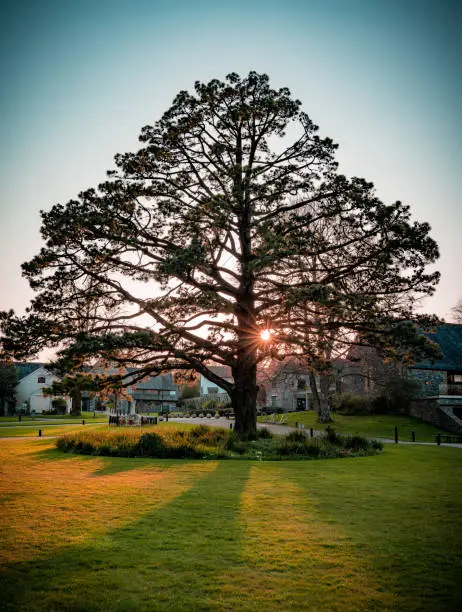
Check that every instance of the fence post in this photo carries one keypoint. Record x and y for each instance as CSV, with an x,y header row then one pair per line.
x,y
311,432
396,434
413,436
438,439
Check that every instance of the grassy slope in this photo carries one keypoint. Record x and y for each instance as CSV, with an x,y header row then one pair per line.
x,y
92,533
377,425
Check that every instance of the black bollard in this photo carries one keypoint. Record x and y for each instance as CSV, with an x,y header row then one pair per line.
x,y
311,432
40,433
413,436
230,425
83,421
20,418
438,438
296,424
396,434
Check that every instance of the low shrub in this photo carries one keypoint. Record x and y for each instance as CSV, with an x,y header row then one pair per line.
x,y
376,445
235,444
357,443
264,433
150,445
296,436
333,437
294,447
350,404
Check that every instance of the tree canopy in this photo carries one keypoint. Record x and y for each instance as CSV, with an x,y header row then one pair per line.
x,y
232,219
457,312
8,381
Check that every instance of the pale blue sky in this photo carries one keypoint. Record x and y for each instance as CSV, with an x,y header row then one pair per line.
x,y
79,80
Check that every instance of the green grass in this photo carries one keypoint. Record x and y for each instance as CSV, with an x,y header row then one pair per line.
x,y
8,421
47,429
376,425
50,429
97,533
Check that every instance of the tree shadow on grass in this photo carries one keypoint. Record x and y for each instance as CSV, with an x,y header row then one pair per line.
x,y
399,520
168,560
109,465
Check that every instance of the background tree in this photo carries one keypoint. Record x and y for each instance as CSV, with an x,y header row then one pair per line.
x,y
8,382
457,312
73,385
200,241
189,391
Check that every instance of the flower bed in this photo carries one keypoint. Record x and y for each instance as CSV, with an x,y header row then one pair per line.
x,y
204,442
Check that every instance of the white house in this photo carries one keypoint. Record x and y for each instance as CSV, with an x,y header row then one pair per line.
x,y
29,391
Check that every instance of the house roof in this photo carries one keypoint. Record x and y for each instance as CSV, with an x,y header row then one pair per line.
x,y
222,371
449,339
164,381
24,369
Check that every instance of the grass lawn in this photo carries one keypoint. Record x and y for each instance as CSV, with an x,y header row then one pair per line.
x,y
375,425
50,429
8,421
97,533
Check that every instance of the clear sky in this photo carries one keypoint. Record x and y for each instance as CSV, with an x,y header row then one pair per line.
x,y
383,78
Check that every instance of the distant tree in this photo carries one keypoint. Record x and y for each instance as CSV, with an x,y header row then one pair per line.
x,y
457,312
8,382
59,404
188,391
73,385
200,242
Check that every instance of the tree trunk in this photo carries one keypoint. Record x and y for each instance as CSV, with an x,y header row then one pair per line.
x,y
76,401
324,415
314,391
244,402
320,400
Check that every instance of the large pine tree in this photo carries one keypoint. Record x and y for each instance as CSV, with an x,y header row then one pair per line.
x,y
217,229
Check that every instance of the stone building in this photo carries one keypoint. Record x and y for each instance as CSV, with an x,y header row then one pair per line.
x,y
439,399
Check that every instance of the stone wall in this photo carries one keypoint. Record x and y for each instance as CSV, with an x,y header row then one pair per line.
x,y
438,411
433,382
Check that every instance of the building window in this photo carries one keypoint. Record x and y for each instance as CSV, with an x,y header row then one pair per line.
x,y
41,379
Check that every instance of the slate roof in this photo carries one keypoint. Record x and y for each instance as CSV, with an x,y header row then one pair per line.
x,y
222,371
164,381
449,339
24,369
